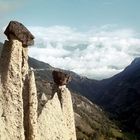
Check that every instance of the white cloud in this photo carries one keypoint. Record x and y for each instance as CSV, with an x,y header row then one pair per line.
x,y
98,53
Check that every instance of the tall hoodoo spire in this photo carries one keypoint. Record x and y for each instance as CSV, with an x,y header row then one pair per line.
x,y
14,76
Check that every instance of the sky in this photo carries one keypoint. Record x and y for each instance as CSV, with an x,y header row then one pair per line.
x,y
94,38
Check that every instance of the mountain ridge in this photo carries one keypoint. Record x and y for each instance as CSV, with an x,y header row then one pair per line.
x,y
99,92
121,95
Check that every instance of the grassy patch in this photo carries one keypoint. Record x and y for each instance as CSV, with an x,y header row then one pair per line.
x,y
116,133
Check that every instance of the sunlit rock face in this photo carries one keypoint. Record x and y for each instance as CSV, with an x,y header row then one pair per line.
x,y
58,113
14,74
19,107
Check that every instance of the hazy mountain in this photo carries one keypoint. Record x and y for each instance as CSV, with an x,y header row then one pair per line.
x,y
120,95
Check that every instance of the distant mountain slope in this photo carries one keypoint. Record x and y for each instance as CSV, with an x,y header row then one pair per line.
x,y
120,95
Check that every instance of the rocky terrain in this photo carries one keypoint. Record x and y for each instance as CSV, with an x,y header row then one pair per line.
x,y
23,115
118,95
44,117
77,84
91,121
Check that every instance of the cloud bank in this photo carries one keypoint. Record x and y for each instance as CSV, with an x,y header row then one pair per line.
x,y
99,53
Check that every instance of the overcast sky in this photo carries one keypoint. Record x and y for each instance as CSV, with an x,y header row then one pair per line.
x,y
95,38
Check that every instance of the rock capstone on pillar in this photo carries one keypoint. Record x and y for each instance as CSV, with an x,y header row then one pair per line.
x,y
14,70
19,31
56,120
61,80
